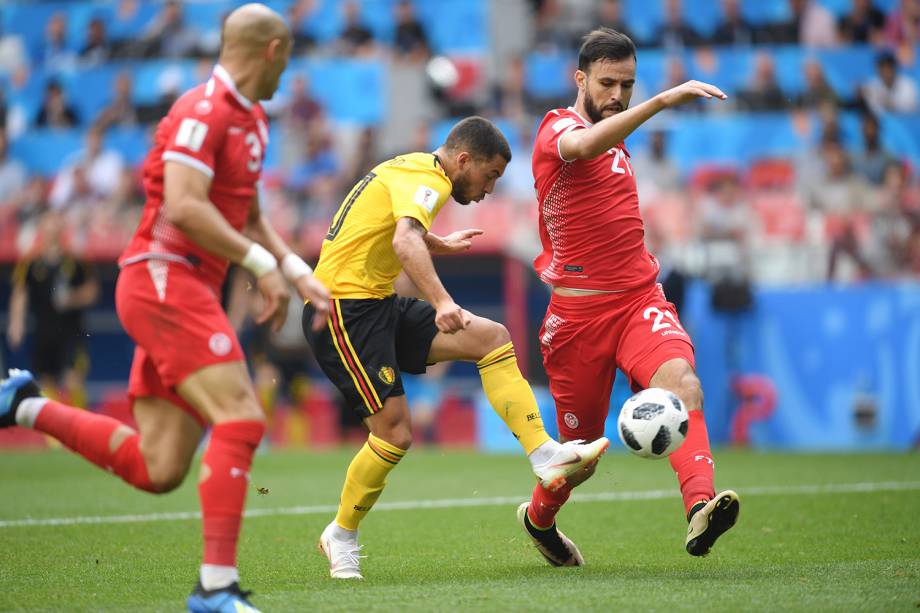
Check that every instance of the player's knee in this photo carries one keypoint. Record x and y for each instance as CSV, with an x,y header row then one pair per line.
x,y
166,476
238,406
494,335
400,436
691,392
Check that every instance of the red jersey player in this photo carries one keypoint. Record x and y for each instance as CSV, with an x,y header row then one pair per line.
x,y
188,372
606,310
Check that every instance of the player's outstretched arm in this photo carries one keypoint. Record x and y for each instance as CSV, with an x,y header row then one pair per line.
x,y
455,242
608,133
295,270
412,251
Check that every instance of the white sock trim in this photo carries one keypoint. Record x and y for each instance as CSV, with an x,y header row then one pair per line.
x,y
28,410
214,577
344,535
544,453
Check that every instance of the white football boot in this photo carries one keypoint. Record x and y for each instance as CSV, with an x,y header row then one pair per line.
x,y
570,458
344,556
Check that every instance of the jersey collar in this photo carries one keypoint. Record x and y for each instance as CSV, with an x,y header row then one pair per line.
x,y
221,73
572,108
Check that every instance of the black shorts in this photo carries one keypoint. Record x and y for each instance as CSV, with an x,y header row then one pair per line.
x,y
367,342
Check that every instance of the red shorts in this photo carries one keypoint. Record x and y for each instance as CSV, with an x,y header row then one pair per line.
x,y
178,324
585,339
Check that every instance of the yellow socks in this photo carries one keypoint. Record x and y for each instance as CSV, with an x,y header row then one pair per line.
x,y
511,397
365,480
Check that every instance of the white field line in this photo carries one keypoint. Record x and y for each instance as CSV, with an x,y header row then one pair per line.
x,y
494,501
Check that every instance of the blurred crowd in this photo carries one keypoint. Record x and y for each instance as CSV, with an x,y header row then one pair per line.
x,y
838,210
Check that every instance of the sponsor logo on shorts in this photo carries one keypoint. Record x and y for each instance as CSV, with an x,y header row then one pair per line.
x,y
570,420
220,344
387,375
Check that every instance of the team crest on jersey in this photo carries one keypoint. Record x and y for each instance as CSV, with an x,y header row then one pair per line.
x,y
387,375
203,107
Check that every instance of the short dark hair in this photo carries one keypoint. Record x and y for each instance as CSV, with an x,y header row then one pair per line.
x,y
479,137
604,44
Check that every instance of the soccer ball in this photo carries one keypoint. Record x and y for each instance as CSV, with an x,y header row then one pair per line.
x,y
653,423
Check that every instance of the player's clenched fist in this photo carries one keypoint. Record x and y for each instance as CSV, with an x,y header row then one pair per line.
x,y
685,92
275,294
450,318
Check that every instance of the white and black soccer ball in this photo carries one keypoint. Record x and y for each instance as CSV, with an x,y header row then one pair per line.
x,y
653,423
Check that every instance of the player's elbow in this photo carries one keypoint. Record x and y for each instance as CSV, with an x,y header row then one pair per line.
x,y
403,244
179,211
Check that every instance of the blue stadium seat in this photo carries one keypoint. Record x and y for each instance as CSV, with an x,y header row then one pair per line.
x,y
455,26
901,135
549,75
44,151
848,67
132,26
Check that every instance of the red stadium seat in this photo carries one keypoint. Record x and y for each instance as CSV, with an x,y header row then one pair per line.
x,y
771,174
781,215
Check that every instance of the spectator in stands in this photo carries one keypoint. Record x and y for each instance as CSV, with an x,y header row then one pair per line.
x,y
863,24
510,97
809,24
12,52
726,227
91,177
97,49
675,33
54,52
675,73
655,172
55,112
890,91
817,90
873,161
168,36
299,111
610,15
55,287
764,92
902,28
549,32
410,40
356,38
12,175
297,15
121,111
887,246
734,28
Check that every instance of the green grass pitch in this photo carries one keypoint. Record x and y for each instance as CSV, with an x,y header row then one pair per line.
x,y
816,533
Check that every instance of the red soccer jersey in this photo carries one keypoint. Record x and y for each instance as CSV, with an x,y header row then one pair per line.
x,y
217,131
590,227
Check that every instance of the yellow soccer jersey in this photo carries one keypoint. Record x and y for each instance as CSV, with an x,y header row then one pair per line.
x,y
357,259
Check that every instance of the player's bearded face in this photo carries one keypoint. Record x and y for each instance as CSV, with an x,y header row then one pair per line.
x,y
608,87
477,178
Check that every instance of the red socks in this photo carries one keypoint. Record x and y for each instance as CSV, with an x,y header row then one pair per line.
x,y
693,463
89,435
544,505
223,484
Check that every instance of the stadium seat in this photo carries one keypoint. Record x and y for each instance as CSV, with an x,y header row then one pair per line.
x,y
771,174
781,215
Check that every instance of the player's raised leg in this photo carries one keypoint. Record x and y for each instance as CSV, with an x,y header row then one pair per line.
x,y
709,514
155,459
223,393
488,343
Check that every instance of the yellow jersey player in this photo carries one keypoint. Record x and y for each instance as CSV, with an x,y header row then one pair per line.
x,y
373,335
